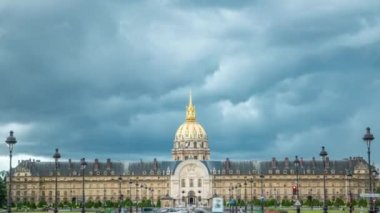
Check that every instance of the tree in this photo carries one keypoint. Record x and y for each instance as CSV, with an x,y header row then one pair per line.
x,y
42,203
339,202
362,202
3,193
286,202
158,203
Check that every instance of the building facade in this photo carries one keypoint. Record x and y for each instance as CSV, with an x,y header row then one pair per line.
x,y
191,178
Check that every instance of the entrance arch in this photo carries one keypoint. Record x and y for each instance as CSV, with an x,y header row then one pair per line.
x,y
191,198
190,184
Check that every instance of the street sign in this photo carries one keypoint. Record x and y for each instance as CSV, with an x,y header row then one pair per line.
x,y
217,205
297,203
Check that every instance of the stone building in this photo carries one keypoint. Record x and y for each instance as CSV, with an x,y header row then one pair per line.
x,y
191,178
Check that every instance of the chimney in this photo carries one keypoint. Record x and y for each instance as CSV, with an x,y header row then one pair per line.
x,y
327,163
286,163
96,165
274,163
108,165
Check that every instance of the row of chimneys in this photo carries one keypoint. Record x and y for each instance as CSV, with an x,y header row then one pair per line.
x,y
96,164
302,163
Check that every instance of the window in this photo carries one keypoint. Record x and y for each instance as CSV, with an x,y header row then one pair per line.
x,y
183,183
199,182
195,144
191,183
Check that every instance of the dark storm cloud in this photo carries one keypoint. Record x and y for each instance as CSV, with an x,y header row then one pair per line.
x,y
111,79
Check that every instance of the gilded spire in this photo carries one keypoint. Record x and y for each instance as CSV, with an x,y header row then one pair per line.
x,y
190,110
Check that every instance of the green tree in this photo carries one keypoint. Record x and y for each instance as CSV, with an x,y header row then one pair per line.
x,y
286,202
33,205
3,193
128,202
97,204
339,202
362,203
271,202
89,204
41,204
158,205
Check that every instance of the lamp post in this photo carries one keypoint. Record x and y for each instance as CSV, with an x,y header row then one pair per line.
x,y
349,175
130,196
375,174
56,156
323,154
11,141
83,165
231,198
238,196
245,196
262,193
137,201
151,196
297,165
120,195
367,138
251,181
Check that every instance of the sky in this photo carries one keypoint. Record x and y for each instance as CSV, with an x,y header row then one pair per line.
x,y
111,79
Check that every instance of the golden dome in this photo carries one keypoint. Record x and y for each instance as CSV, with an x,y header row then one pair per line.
x,y
191,129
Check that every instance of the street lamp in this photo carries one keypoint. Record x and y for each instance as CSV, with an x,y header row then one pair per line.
x,y
262,193
367,138
297,165
375,175
120,195
137,201
323,154
56,156
130,196
11,141
349,175
245,195
251,181
83,165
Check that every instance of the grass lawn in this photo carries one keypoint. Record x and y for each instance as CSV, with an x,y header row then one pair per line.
x,y
346,210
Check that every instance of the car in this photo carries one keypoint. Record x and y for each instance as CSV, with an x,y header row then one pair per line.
x,y
148,210
182,210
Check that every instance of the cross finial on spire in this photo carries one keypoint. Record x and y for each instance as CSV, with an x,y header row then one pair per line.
x,y
190,99
190,110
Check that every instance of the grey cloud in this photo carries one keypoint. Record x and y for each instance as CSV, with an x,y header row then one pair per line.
x,y
112,78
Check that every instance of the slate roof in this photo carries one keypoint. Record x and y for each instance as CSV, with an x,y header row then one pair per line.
x,y
226,167
313,166
38,168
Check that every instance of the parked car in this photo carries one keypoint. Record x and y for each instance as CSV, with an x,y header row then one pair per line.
x,y
148,210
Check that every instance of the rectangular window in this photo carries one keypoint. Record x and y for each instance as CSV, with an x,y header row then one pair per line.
x,y
183,183
199,182
191,183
